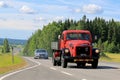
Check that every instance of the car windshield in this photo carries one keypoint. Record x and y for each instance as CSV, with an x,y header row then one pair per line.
x,y
40,51
78,36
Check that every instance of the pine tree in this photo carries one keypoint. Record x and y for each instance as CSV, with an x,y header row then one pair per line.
x,y
6,47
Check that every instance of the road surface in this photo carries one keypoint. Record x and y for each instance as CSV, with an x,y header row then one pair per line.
x,y
40,69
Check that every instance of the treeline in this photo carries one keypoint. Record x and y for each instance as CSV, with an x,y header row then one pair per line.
x,y
108,34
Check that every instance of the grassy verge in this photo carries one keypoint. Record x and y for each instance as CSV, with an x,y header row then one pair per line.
x,y
110,57
6,64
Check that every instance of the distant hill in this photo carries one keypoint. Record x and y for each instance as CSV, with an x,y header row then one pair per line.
x,y
14,41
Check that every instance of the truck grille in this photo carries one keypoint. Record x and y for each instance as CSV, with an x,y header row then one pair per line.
x,y
83,51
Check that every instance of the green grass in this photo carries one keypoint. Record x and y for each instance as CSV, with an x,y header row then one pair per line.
x,y
7,65
110,57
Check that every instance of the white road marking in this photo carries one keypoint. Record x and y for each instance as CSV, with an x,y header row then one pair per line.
x,y
33,61
53,68
66,73
7,75
84,79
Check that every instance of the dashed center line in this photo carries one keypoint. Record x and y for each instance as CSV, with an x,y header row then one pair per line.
x,y
61,71
66,73
84,79
53,68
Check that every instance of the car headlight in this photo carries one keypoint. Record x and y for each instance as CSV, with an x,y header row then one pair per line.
x,y
66,50
97,51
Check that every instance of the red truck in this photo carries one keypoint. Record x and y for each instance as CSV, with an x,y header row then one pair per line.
x,y
74,46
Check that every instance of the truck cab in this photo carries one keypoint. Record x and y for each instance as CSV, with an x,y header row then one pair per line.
x,y
75,46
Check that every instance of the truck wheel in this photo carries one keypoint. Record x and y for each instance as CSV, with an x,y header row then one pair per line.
x,y
59,63
64,62
54,62
95,63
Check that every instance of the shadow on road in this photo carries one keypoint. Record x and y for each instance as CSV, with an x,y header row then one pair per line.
x,y
107,67
89,67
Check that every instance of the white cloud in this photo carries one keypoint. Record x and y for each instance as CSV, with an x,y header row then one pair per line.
x,y
92,9
3,4
27,10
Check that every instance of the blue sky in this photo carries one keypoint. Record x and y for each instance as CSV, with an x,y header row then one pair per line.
x,y
20,18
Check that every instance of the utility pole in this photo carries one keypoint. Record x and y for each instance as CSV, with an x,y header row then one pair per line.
x,y
12,55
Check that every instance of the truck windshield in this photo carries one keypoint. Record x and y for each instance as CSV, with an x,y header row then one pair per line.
x,y
78,36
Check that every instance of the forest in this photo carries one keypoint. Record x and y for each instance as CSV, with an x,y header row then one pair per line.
x,y
107,31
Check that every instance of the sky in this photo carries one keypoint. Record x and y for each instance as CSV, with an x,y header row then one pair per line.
x,y
19,19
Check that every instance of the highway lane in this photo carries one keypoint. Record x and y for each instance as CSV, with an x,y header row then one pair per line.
x,y
40,69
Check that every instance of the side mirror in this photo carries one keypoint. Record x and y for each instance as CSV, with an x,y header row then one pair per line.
x,y
59,36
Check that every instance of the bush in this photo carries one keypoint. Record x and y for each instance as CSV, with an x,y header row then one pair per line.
x,y
112,48
105,46
102,54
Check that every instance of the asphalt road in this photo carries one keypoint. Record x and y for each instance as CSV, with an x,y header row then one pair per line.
x,y
40,69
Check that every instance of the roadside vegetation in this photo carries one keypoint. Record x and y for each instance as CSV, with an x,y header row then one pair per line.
x,y
110,57
6,64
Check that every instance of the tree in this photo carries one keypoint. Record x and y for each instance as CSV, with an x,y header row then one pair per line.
x,y
6,47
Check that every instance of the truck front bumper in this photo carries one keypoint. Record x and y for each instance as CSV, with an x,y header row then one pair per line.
x,y
78,59
83,60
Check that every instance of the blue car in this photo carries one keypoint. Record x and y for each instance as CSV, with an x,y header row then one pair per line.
x,y
41,53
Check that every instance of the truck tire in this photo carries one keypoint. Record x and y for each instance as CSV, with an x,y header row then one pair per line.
x,y
59,63
95,63
54,61
63,62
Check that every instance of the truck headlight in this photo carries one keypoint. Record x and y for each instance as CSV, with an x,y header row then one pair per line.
x,y
66,50
97,51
